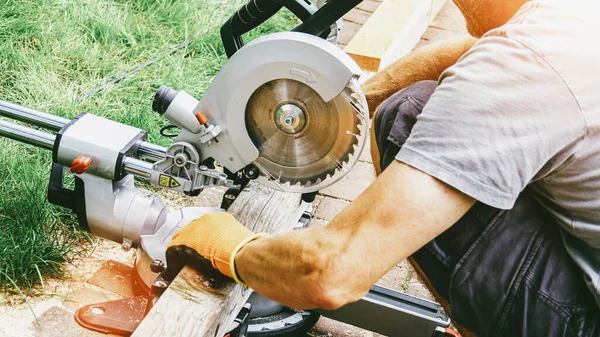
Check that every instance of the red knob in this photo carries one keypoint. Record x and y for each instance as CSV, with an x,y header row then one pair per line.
x,y
81,164
201,118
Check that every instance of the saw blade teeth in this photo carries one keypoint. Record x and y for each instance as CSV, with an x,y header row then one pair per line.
x,y
322,147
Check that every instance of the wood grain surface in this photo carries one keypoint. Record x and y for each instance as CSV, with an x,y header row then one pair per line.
x,y
196,306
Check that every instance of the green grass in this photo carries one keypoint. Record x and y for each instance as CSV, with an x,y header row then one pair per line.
x,y
54,51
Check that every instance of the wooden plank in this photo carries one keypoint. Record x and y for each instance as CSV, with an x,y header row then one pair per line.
x,y
391,32
192,305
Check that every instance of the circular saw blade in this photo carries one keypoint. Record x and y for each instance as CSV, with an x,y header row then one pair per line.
x,y
302,140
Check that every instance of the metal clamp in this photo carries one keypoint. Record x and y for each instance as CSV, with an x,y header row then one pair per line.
x,y
239,328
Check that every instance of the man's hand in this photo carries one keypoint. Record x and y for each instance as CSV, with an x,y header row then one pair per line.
x,y
207,244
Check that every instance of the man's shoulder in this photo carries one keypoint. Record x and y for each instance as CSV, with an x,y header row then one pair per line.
x,y
562,33
554,36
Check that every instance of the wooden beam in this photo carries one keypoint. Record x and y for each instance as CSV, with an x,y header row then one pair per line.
x,y
191,306
392,32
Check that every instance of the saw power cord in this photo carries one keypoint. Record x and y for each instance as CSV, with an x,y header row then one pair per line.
x,y
134,70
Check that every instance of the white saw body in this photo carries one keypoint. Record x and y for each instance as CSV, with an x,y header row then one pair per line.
x,y
297,60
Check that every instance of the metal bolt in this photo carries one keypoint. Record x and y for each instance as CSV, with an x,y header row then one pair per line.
x,y
203,168
289,120
230,196
126,245
160,284
157,266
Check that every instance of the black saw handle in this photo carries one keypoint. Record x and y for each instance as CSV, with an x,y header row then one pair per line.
x,y
253,14
314,21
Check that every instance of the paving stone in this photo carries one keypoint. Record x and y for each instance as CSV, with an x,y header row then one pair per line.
x,y
348,31
366,154
353,184
318,222
422,43
436,34
404,278
115,277
330,207
450,18
317,202
84,296
57,322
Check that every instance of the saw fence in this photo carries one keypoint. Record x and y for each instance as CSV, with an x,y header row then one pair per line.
x,y
188,307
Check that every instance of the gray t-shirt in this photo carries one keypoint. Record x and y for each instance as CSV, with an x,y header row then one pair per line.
x,y
522,109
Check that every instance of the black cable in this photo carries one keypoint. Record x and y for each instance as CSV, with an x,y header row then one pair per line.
x,y
167,128
134,71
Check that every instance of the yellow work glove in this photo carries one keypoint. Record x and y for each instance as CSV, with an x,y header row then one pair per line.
x,y
208,243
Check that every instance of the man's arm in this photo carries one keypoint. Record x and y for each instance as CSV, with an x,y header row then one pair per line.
x,y
426,63
330,266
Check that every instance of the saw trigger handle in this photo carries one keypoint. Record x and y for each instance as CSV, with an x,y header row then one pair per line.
x,y
253,14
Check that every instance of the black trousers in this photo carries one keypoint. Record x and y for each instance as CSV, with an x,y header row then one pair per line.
x,y
503,273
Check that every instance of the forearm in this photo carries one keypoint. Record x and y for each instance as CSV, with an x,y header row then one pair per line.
x,y
329,266
426,63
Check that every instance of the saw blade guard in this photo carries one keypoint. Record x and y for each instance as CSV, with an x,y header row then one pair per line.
x,y
306,144
321,90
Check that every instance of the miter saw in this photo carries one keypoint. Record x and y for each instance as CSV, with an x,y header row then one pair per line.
x,y
286,110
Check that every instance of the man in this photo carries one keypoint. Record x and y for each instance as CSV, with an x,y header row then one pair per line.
x,y
491,181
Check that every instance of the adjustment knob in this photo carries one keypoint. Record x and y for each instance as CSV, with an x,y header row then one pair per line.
x,y
80,164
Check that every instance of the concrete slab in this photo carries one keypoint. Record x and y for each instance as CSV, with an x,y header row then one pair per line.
x,y
329,207
351,186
